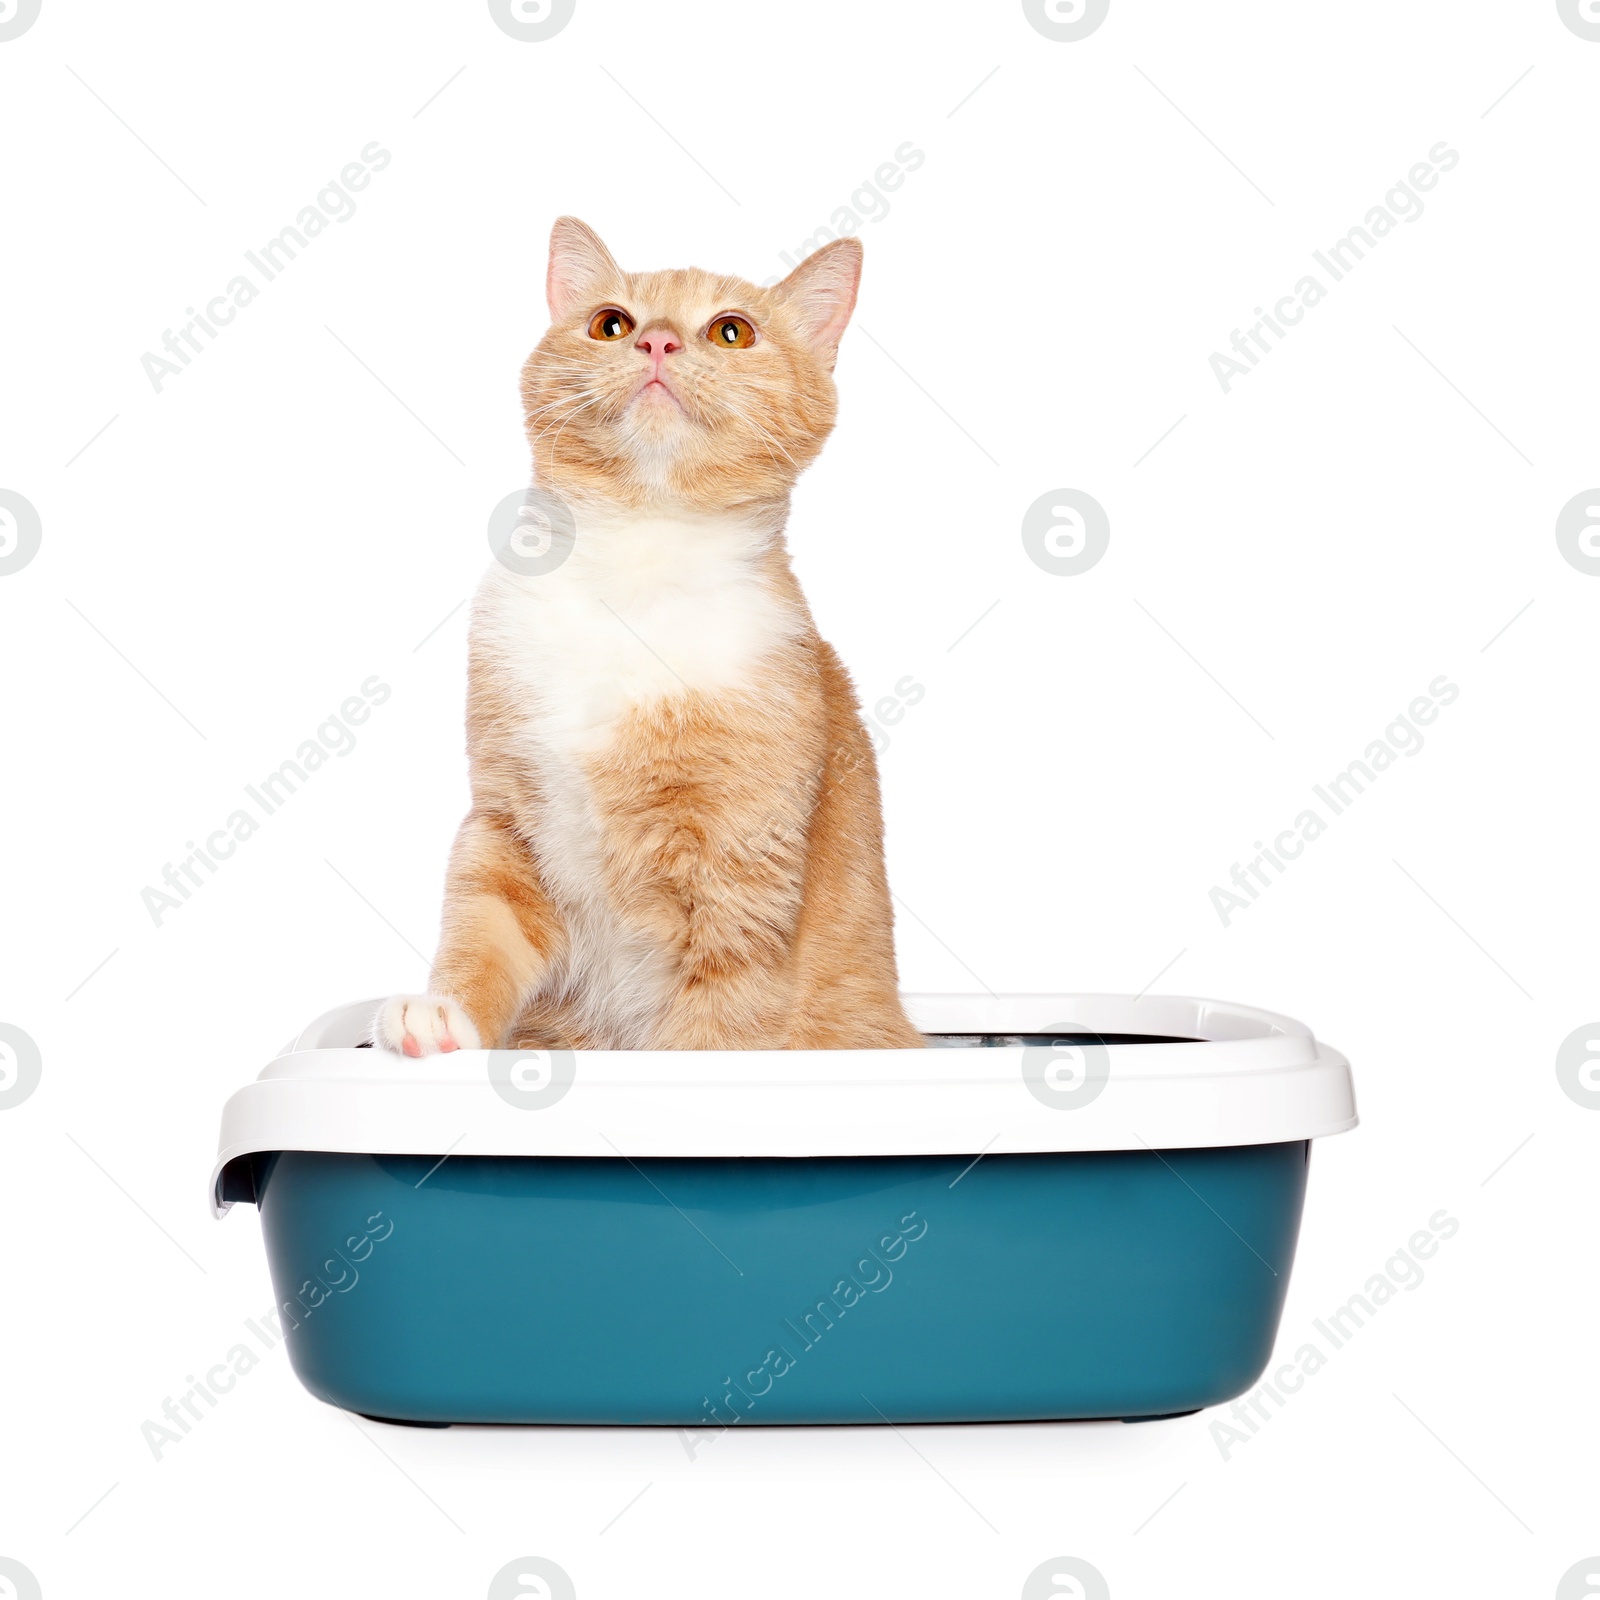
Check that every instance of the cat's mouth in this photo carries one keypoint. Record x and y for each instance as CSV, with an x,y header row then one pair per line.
x,y
657,391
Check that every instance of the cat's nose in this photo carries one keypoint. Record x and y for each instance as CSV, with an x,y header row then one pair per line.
x,y
657,341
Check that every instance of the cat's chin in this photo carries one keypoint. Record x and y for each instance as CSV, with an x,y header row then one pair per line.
x,y
657,419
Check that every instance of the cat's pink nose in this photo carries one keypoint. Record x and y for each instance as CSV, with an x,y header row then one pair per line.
x,y
657,342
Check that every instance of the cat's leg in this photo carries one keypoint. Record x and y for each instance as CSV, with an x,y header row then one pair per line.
x,y
733,981
705,811
500,937
722,919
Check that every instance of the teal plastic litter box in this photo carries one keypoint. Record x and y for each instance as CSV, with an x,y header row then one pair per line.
x,y
1075,1206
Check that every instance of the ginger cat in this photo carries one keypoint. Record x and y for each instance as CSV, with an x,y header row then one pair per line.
x,y
676,840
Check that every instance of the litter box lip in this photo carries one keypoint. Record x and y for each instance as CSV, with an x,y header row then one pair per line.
x,y
1225,1074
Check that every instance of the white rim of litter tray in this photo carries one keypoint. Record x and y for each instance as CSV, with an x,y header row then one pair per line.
x,y
1254,1078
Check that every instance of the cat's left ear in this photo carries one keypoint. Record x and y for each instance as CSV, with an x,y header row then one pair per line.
x,y
822,292
581,268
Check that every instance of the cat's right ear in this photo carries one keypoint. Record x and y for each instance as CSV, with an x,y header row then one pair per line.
x,y
581,268
822,291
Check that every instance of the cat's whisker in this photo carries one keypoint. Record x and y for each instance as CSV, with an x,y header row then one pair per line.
x,y
576,402
595,400
774,447
558,405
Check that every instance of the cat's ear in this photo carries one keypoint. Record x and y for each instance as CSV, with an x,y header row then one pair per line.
x,y
581,268
822,293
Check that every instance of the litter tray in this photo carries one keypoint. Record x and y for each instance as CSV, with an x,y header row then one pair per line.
x,y
1075,1206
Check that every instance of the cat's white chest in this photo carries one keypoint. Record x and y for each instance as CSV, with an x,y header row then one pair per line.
x,y
639,612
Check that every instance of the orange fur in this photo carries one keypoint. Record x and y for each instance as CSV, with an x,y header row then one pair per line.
x,y
676,837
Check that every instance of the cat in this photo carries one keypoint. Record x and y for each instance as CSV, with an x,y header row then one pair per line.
x,y
676,838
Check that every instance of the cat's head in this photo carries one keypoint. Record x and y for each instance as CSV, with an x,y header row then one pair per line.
x,y
683,387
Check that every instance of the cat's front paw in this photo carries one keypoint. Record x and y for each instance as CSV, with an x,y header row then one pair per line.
x,y
423,1025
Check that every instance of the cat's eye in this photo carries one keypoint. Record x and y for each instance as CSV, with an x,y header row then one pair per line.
x,y
610,324
731,332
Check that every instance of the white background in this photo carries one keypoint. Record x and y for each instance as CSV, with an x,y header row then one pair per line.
x,y
1289,567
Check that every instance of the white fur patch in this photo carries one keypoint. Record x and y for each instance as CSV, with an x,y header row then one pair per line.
x,y
643,610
